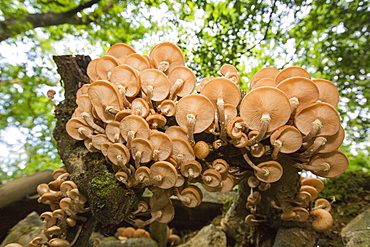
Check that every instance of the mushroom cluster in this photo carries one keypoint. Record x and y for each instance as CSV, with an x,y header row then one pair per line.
x,y
65,201
161,131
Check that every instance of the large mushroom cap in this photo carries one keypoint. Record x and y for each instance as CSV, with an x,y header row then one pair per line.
x,y
158,81
289,137
323,112
137,61
222,88
136,124
182,150
337,163
264,101
167,212
167,53
91,70
103,95
291,72
126,77
328,92
104,65
268,72
120,50
199,106
323,220
301,89
333,142
168,173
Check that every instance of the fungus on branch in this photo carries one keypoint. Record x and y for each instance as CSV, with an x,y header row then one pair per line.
x,y
183,82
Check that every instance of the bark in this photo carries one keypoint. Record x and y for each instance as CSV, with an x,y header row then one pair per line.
x,y
13,26
109,200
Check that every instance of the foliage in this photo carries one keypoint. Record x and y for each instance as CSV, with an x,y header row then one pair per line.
x,y
328,39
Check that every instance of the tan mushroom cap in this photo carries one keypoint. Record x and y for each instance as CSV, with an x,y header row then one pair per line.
x,y
169,53
323,220
182,150
268,72
113,132
291,72
337,161
168,173
221,166
84,104
118,154
176,132
119,50
143,174
122,114
157,81
135,60
230,72
76,127
103,94
140,107
104,65
323,203
235,127
201,149
328,91
310,189
191,168
167,108
227,183
156,120
142,146
301,91
83,90
200,107
194,195
183,81
287,139
264,82
257,150
91,70
126,77
222,88
262,102
273,174
230,112
333,142
162,145
137,125
98,140
317,183
318,111
301,214
211,178
167,213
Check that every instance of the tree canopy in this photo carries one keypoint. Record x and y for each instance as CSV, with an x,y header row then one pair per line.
x,y
330,40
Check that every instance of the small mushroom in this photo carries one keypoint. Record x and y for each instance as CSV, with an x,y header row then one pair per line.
x,y
132,127
119,155
162,145
328,92
167,56
48,219
156,120
191,196
176,132
317,183
286,139
141,151
191,169
104,65
183,82
267,72
167,108
323,220
113,132
301,214
120,50
140,107
211,178
58,242
182,151
293,71
230,72
91,70
164,174
78,129
135,60
235,128
201,149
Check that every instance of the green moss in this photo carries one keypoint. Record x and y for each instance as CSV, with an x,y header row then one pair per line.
x,y
104,184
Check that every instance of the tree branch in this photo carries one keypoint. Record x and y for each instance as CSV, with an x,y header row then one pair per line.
x,y
13,26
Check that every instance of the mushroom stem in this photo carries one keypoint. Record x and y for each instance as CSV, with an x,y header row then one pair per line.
x,y
86,116
178,83
110,109
191,119
221,119
126,103
183,199
149,95
84,132
277,146
246,158
163,66
319,141
315,127
294,102
144,223
313,168
123,166
265,121
138,158
154,180
130,136
156,152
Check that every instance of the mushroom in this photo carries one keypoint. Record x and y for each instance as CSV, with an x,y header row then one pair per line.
x,y
301,214
317,183
53,231
264,82
322,203
327,165
257,150
167,108
162,145
332,142
211,178
201,149
230,72
183,82
98,140
119,155
176,132
221,166
191,196
141,233
120,50
194,113
191,169
222,91
267,72
328,92
235,127
156,120
113,132
140,107
141,151
322,220
164,175
155,85
78,129
122,114
316,119
132,127
286,139
251,220
182,151
264,109
58,242
49,220
104,65
91,70
167,56
105,99
317,143
135,60
143,175
293,71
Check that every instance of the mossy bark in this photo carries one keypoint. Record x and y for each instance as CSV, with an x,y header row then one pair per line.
x,y
109,200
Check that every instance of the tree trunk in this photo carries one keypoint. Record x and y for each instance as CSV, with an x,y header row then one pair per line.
x,y
110,201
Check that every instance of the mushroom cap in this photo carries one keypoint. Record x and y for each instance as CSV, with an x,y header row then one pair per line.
x,y
82,90
168,173
182,150
234,127
140,107
228,68
167,108
326,113
188,77
136,124
122,114
156,79
58,242
201,149
113,132
328,92
337,160
143,174
275,171
126,77
167,52
333,142
291,72
198,105
211,178
84,104
91,70
253,182
118,149
230,112
120,50
176,132
194,194
249,220
222,88
102,94
288,215
227,183
221,166
135,60
267,72
310,189
191,166
156,120
257,150
290,138
262,101
168,212
317,183
301,88
141,233
264,82
144,146
162,145
104,65
301,214
323,203
73,126
323,220
98,140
